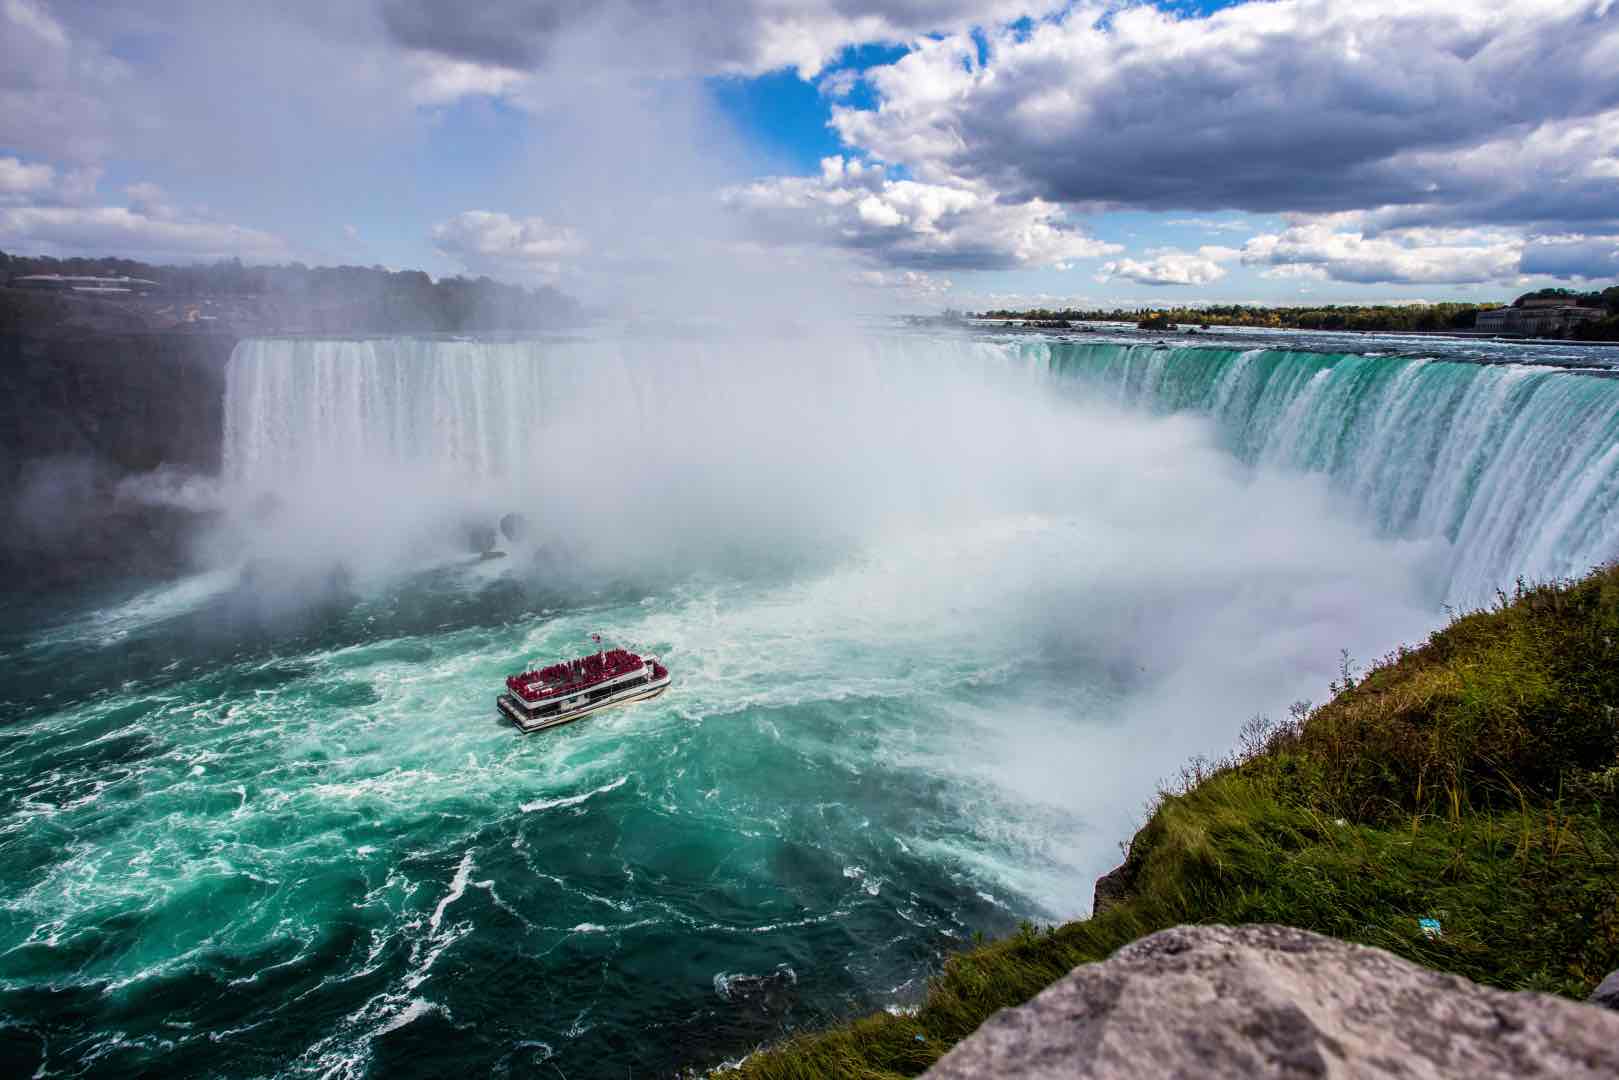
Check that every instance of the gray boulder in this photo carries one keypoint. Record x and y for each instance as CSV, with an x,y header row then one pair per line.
x,y
1607,994
1274,1002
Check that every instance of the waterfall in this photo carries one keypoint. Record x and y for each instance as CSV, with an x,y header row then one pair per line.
x,y
1516,467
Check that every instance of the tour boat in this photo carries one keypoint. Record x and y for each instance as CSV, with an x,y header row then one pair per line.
x,y
556,695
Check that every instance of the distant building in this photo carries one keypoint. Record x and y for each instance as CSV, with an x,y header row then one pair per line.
x,y
85,283
1541,316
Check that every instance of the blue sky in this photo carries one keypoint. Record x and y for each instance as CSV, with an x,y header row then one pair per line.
x,y
923,152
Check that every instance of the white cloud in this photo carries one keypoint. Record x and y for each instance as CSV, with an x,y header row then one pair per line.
x,y
19,178
441,81
116,230
910,284
149,200
906,223
486,241
1332,249
1198,267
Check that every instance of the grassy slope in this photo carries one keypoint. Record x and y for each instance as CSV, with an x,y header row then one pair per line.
x,y
1474,780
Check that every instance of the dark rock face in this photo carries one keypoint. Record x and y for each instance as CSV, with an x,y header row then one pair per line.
x,y
1274,1002
1118,885
1112,889
1607,995
130,401
81,413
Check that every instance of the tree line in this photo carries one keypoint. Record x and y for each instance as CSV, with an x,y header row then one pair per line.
x,y
362,297
1395,318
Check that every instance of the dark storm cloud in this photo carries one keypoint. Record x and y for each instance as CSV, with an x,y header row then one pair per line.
x,y
1593,258
669,36
504,33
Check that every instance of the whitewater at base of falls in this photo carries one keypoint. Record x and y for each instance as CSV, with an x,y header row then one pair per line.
x,y
940,614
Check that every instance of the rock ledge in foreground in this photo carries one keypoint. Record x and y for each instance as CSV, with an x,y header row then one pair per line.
x,y
1274,1002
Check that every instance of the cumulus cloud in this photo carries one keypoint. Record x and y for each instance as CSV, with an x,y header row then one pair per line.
x,y
1328,250
1198,267
910,284
1294,105
906,223
488,242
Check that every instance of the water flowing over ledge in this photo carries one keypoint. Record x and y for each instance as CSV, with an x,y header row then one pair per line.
x,y
1515,466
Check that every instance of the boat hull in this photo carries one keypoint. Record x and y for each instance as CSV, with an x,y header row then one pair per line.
x,y
528,723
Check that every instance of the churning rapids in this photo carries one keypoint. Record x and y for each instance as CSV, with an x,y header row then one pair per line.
x,y
941,611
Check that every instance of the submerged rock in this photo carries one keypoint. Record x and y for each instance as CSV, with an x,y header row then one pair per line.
x,y
1272,1001
774,992
514,527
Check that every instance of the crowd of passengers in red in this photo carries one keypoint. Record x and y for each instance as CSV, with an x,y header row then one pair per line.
x,y
572,675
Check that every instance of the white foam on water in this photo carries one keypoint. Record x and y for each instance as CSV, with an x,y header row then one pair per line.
x,y
572,800
458,888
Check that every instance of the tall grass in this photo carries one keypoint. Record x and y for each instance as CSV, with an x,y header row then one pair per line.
x,y
1473,780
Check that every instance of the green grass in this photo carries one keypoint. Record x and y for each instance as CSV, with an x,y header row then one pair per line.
x,y
1474,780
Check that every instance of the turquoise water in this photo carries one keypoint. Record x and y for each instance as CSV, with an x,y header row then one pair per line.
x,y
939,614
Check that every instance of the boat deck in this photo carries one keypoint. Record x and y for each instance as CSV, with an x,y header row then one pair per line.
x,y
529,722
